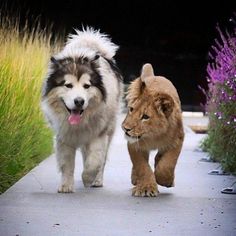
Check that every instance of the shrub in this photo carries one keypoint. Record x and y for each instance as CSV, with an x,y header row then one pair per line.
x,y
221,101
24,138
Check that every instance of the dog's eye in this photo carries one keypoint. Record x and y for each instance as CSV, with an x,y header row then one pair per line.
x,y
145,117
86,86
131,109
69,85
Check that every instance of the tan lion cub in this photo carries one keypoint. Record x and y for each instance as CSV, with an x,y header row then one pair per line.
x,y
154,121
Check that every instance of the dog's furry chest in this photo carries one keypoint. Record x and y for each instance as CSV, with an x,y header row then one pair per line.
x,y
84,133
75,137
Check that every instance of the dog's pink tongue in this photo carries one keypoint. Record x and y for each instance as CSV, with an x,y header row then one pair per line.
x,y
74,118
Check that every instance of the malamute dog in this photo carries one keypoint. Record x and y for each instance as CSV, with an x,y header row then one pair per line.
x,y
80,101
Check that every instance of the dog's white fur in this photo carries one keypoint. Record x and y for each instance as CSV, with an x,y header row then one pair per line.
x,y
91,41
94,133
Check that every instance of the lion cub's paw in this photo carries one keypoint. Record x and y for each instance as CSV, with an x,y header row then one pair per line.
x,y
166,179
148,190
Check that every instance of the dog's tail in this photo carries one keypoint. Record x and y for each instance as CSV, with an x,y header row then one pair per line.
x,y
92,40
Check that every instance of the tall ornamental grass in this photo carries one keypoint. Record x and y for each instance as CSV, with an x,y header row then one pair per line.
x,y
221,101
24,138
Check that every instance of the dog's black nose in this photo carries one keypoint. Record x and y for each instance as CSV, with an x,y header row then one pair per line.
x,y
79,102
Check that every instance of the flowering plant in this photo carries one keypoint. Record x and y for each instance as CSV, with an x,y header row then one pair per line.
x,y
221,100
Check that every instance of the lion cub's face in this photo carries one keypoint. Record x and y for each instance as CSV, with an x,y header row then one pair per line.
x,y
148,114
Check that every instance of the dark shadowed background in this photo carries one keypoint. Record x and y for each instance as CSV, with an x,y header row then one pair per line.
x,y
174,36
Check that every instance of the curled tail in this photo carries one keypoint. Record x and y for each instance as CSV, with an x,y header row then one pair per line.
x,y
92,40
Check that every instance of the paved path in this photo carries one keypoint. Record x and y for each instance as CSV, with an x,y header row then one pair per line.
x,y
195,206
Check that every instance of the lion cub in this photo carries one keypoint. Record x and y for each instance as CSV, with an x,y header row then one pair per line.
x,y
153,122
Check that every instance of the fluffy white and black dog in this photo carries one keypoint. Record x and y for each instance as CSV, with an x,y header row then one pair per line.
x,y
80,101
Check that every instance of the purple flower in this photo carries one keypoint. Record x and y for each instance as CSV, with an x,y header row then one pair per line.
x,y
221,78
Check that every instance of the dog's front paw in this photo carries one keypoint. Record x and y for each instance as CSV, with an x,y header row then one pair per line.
x,y
88,178
145,190
66,188
97,183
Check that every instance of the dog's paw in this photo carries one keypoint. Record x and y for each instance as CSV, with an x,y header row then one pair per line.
x,y
97,183
66,188
145,190
88,178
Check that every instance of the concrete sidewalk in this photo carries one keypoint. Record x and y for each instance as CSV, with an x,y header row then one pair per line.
x,y
195,206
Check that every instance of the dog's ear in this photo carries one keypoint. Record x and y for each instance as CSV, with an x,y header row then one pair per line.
x,y
165,104
61,63
82,60
96,57
55,62
86,61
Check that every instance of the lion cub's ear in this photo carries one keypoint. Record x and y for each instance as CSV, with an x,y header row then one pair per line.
x,y
147,71
165,103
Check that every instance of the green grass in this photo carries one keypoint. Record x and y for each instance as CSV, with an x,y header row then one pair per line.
x,y
220,144
25,140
